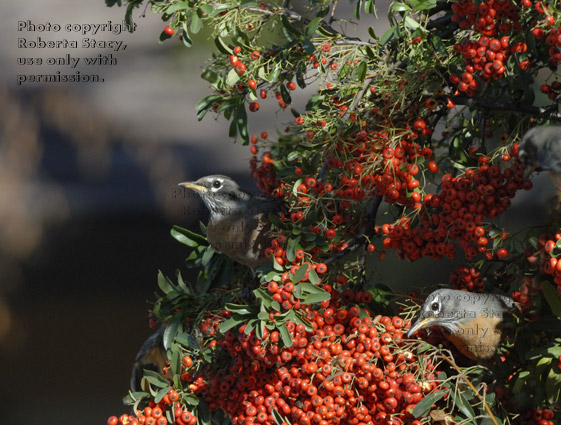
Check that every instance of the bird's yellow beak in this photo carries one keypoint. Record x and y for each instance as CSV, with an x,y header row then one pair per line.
x,y
194,186
420,324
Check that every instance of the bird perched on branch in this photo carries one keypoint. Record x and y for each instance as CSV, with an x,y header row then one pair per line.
x,y
239,222
151,356
473,321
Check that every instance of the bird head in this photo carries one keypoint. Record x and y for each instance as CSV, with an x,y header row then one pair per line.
x,y
219,193
540,148
447,307
528,149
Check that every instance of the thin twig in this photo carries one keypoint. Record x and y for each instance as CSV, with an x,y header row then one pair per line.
x,y
486,407
351,109
332,16
367,233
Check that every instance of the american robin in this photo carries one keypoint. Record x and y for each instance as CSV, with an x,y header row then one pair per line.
x,y
473,321
540,150
239,222
151,356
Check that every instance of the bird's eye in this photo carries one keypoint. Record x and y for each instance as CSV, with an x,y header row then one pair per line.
x,y
434,306
216,183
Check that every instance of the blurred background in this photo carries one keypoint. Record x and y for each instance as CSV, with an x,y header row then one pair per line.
x,y
88,194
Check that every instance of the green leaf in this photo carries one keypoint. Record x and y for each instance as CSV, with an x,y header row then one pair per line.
x,y
313,277
312,27
203,105
553,386
203,413
230,323
285,95
279,420
232,78
438,45
412,23
285,335
187,42
464,406
208,9
423,4
155,379
128,17
164,283
211,76
425,405
250,326
172,8
171,331
357,9
175,359
187,237
241,122
233,130
259,329
188,341
399,7
292,246
222,46
361,71
196,22
289,27
325,32
300,273
274,76
553,298
370,7
387,35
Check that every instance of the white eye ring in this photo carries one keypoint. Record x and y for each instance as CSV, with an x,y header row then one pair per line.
x,y
216,184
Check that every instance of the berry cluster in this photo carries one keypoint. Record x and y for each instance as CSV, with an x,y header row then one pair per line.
x,y
486,56
539,416
459,212
551,33
343,368
168,411
548,256
467,278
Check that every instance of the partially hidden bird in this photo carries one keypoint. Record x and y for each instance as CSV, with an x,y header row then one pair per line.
x,y
239,224
540,150
472,321
151,356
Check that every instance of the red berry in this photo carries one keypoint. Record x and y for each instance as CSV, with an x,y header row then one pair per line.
x,y
254,106
169,31
419,124
502,253
252,84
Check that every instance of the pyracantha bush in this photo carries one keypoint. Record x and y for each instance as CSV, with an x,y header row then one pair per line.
x,y
407,143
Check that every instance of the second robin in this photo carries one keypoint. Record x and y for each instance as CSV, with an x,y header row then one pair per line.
x,y
151,356
473,321
239,225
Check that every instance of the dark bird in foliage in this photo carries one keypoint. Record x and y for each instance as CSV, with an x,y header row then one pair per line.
x,y
540,150
473,321
239,223
151,356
